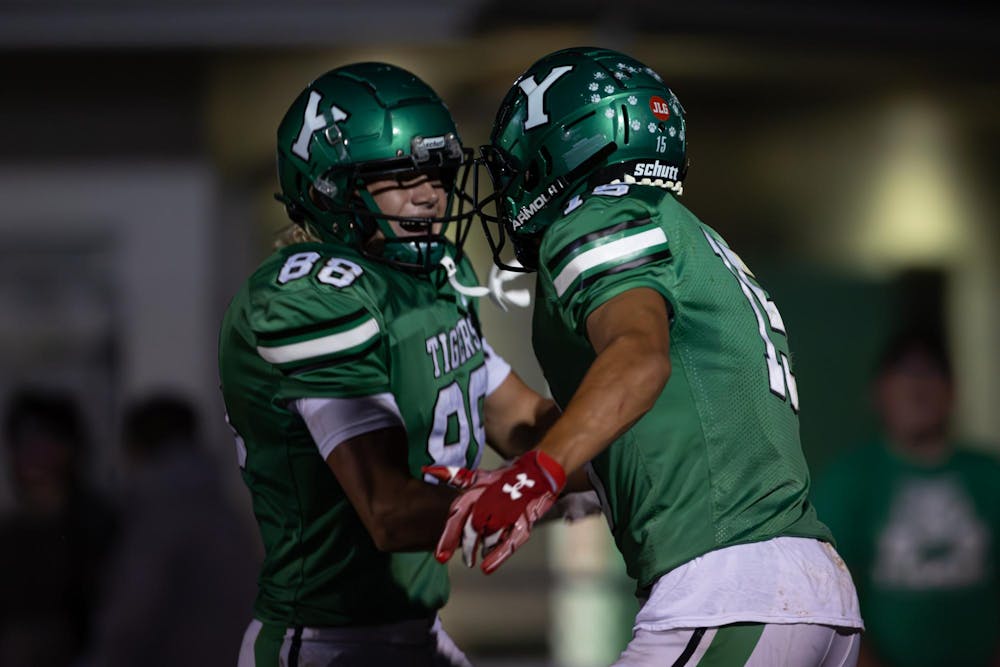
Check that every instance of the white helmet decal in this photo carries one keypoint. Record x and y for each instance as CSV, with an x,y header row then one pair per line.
x,y
535,93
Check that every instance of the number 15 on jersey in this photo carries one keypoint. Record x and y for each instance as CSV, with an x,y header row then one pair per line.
x,y
779,372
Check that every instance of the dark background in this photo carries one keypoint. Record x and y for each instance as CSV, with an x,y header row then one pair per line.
x,y
848,151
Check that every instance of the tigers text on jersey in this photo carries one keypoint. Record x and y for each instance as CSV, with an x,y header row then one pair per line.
x,y
321,321
717,461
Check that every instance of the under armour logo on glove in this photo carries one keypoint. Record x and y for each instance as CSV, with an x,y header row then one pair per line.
x,y
496,513
515,490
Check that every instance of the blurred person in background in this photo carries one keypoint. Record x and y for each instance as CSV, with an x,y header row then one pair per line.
x,y
352,357
55,543
671,364
916,515
180,582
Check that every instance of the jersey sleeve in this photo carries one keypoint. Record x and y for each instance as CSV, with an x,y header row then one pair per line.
x,y
321,343
602,250
497,368
332,421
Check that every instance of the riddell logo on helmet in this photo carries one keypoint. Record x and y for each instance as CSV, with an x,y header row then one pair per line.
x,y
659,107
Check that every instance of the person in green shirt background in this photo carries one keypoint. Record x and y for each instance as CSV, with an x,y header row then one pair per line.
x,y
916,516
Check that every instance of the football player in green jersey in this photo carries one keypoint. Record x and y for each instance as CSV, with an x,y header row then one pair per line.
x,y
671,364
351,358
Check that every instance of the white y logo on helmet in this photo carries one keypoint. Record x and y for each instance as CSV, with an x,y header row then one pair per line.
x,y
514,490
535,93
313,121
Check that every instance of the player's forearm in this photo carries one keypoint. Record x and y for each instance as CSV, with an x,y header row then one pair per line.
x,y
413,519
517,417
528,432
622,385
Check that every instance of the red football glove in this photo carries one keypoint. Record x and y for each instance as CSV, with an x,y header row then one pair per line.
x,y
462,479
499,509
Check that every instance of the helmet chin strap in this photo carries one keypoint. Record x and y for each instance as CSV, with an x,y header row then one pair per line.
x,y
500,295
496,290
477,291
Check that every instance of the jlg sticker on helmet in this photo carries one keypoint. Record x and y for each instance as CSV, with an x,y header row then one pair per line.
x,y
659,107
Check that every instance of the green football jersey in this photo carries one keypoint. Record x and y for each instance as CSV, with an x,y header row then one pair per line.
x,y
717,461
317,321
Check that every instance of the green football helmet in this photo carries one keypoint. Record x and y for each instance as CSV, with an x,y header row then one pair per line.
x,y
366,122
577,118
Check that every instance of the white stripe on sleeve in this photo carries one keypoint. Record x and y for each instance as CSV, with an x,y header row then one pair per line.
x,y
316,347
497,369
608,252
331,421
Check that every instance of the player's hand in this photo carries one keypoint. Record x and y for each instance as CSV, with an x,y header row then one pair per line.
x,y
462,479
497,515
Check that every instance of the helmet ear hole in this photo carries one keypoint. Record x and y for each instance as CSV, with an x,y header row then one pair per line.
x,y
319,199
532,175
547,159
